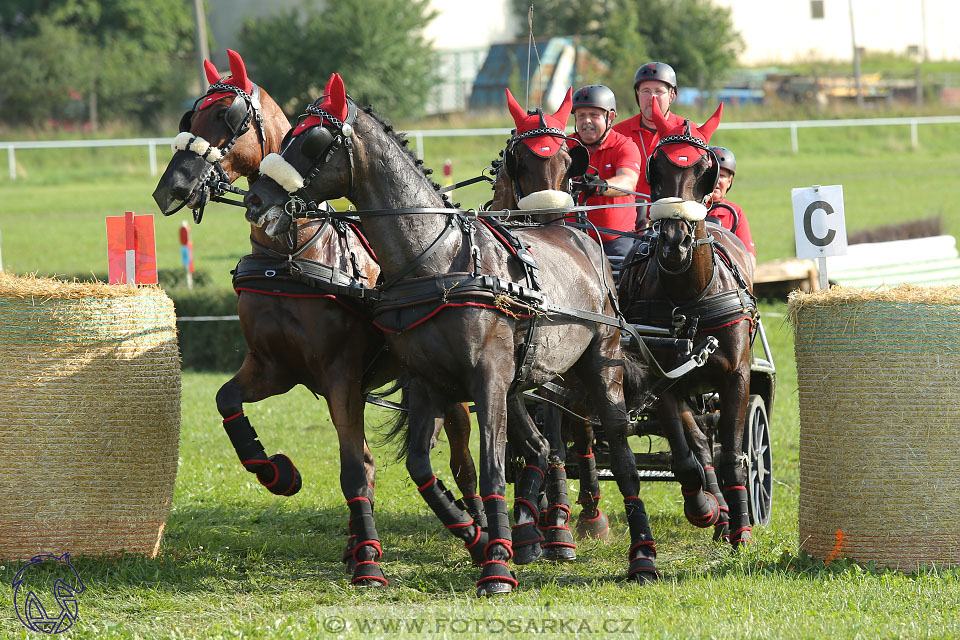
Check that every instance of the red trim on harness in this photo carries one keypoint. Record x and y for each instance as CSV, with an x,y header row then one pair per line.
x,y
732,322
503,240
441,308
363,240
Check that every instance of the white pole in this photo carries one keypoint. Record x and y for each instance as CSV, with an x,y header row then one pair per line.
x,y
152,150
12,160
794,145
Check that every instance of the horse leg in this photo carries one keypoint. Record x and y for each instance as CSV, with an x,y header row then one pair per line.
x,y
250,384
491,402
700,507
346,404
526,535
733,462
700,444
456,424
603,382
592,522
423,424
558,544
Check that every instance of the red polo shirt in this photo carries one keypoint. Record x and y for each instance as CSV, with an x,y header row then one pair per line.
x,y
646,141
743,227
614,152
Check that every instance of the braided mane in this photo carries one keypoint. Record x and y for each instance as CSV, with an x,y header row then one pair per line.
x,y
403,143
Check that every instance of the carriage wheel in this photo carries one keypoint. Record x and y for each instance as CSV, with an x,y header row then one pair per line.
x,y
756,444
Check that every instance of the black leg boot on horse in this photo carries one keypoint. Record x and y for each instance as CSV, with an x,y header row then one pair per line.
x,y
555,507
592,522
702,449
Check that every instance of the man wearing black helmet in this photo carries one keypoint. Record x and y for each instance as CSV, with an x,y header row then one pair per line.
x,y
653,81
725,213
616,160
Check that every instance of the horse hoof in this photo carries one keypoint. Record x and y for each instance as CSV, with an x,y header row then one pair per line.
x,y
559,553
527,553
721,532
368,574
707,519
742,538
493,588
596,527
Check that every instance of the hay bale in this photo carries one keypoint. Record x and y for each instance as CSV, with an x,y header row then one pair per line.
x,y
879,382
89,417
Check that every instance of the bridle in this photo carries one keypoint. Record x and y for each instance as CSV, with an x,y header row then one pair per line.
x,y
581,157
244,110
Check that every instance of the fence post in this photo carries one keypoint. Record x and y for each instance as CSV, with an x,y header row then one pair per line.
x,y
419,137
794,145
914,140
152,152
12,159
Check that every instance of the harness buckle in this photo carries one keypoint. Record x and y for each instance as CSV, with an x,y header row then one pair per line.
x,y
295,206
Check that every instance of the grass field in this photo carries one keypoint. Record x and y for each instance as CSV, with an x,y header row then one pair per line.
x,y
237,561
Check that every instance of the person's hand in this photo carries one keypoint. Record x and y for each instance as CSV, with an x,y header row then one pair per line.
x,y
590,185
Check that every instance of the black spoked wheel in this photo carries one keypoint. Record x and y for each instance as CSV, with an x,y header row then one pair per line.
x,y
756,444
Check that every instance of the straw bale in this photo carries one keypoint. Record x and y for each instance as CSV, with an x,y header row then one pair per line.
x,y
89,418
879,390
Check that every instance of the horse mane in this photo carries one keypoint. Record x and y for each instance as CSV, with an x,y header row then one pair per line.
x,y
404,144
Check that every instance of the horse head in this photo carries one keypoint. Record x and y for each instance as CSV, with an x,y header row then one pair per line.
x,y
682,173
223,137
315,164
537,162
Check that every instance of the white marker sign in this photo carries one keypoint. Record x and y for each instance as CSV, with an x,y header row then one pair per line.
x,y
818,223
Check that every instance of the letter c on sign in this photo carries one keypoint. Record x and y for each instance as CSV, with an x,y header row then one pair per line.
x,y
808,226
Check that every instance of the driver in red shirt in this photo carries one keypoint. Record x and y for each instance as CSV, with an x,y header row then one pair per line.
x,y
725,213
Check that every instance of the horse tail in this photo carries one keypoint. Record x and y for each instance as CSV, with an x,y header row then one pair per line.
x,y
399,427
636,378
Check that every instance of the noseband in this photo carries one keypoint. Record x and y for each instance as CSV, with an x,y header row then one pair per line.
x,y
691,230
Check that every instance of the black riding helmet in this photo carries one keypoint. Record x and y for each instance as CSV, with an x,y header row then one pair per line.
x,y
654,71
726,160
599,97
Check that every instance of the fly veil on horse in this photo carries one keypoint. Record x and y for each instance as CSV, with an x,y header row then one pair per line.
x,y
697,279
297,312
491,331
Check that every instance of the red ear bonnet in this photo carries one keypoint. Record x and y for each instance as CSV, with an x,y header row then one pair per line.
x,y
546,145
238,78
334,103
681,153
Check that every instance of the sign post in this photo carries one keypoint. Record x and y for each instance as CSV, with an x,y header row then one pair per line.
x,y
819,226
131,249
186,252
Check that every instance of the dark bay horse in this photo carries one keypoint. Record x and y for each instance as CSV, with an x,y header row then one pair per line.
x,y
698,279
535,174
297,333
467,318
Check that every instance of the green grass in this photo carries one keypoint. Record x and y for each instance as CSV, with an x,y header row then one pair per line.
x,y
237,560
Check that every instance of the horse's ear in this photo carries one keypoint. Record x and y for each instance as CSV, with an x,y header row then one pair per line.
x,y
213,76
519,115
708,127
239,71
563,113
658,119
338,95
326,87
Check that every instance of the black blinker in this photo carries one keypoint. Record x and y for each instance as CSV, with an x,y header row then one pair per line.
x,y
510,163
185,121
315,143
235,114
580,160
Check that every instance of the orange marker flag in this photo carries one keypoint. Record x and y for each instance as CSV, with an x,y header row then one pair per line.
x,y
131,249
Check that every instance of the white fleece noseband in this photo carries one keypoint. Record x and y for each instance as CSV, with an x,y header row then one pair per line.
x,y
547,199
186,141
282,172
679,209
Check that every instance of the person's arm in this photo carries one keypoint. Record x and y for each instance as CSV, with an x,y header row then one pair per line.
x,y
625,179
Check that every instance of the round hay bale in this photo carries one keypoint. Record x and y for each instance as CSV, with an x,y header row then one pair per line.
x,y
89,417
879,382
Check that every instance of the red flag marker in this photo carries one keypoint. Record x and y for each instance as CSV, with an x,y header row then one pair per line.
x,y
131,249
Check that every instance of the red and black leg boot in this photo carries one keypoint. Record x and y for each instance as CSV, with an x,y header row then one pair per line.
x,y
526,534
457,521
701,508
496,577
591,523
721,530
733,471
366,550
558,544
276,473
642,550
473,504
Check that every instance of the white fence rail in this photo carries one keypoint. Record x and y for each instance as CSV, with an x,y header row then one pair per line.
x,y
418,135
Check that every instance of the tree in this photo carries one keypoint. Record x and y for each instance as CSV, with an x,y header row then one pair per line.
x,y
133,54
694,36
376,45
